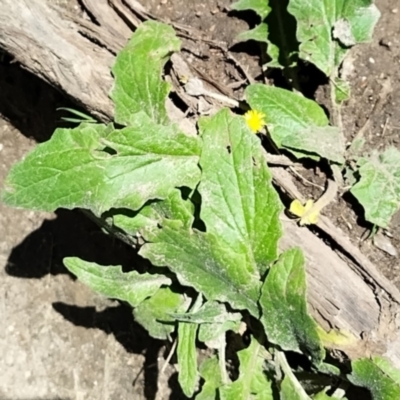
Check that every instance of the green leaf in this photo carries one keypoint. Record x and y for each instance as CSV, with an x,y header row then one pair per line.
x,y
133,222
151,214
210,312
241,212
388,369
154,313
239,203
291,388
110,281
292,391
261,7
187,353
326,141
378,376
259,34
277,29
252,383
355,149
97,167
203,261
323,396
211,334
210,372
137,71
284,307
329,369
214,321
378,190
295,122
326,28
342,90
282,43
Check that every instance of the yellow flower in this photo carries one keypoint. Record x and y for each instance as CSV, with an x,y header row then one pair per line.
x,y
300,210
255,120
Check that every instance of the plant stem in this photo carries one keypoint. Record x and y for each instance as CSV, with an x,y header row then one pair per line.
x,y
281,360
222,360
336,114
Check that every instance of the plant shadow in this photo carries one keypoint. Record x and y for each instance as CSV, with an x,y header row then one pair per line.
x,y
118,321
70,234
30,104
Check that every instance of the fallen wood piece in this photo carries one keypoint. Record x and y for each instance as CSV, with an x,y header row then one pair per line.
x,y
342,295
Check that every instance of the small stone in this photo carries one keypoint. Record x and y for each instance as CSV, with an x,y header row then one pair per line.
x,y
371,60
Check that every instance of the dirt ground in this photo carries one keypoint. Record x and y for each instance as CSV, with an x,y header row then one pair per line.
x,y
61,341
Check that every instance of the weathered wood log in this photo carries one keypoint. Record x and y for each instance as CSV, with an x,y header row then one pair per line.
x,y
345,292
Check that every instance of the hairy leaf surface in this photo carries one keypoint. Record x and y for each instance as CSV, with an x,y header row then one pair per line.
x,y
137,71
378,190
97,167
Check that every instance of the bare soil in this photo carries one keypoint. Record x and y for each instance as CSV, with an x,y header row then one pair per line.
x,y
59,339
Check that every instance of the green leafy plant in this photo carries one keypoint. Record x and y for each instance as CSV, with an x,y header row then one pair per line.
x,y
203,211
321,33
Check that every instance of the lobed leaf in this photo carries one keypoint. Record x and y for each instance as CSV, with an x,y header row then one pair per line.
x,y
239,203
154,313
111,281
187,353
97,167
291,390
210,372
209,313
378,190
212,334
137,72
325,28
241,213
204,262
284,307
296,123
277,29
214,321
252,383
261,7
174,207
259,34
378,376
